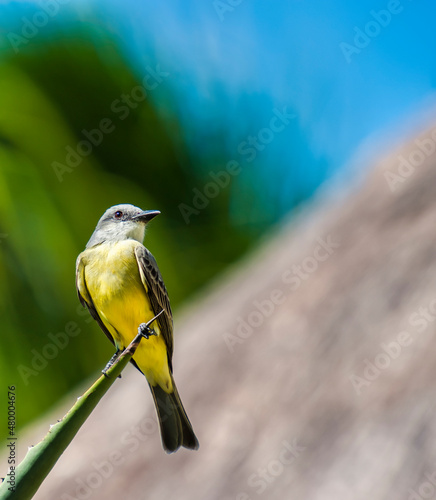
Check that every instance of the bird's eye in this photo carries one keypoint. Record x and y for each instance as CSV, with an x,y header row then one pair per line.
x,y
118,214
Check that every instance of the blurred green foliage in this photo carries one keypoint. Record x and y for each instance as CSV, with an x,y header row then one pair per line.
x,y
49,94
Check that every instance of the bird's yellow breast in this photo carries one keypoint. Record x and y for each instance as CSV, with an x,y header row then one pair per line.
x,y
121,299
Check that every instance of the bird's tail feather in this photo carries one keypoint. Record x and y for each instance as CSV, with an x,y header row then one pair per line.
x,y
175,427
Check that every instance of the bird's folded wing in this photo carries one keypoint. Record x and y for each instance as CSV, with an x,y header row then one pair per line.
x,y
157,294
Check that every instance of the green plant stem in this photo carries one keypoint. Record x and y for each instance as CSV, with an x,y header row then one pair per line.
x,y
40,459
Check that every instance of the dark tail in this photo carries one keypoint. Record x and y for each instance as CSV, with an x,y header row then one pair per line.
x,y
175,427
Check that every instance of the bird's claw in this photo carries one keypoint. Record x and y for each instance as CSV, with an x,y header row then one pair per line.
x,y
144,328
146,331
111,362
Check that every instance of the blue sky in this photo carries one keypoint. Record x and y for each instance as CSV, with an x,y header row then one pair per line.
x,y
231,66
291,52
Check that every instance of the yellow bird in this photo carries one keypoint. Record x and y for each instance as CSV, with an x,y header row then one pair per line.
x,y
118,280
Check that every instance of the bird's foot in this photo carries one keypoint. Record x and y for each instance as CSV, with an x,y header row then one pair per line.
x,y
146,331
111,362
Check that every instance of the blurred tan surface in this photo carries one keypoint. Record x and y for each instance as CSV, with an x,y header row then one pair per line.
x,y
331,396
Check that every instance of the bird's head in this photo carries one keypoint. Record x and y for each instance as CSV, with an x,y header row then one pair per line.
x,y
122,222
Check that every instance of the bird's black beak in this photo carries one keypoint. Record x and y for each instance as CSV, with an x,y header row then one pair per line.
x,y
146,216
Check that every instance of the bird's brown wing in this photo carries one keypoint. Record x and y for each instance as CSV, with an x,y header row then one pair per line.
x,y
157,294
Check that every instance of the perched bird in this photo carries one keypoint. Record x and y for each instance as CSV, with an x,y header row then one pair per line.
x,y
118,280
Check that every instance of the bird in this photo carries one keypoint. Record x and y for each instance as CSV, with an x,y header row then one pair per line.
x,y
118,280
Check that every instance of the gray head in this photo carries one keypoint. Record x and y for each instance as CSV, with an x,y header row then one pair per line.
x,y
121,222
